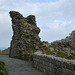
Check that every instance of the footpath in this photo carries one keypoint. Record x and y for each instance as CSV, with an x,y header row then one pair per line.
x,y
18,67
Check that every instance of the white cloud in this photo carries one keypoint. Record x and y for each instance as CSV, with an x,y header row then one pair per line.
x,y
56,19
57,30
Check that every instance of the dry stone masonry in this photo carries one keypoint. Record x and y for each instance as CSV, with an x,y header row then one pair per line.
x,y
53,65
25,38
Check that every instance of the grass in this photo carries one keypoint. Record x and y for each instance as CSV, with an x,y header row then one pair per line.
x,y
58,54
63,55
3,70
4,54
71,57
46,42
48,52
40,70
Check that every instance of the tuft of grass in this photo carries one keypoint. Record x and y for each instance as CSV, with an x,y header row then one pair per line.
x,y
3,70
63,55
39,70
48,52
46,42
71,57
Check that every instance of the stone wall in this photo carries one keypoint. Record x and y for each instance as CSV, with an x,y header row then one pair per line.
x,y
25,40
53,65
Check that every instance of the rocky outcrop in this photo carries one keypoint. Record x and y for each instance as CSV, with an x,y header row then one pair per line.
x,y
25,38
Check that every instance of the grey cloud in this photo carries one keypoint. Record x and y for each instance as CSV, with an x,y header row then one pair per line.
x,y
49,18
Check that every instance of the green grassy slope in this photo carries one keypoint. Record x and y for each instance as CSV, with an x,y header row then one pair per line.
x,y
3,70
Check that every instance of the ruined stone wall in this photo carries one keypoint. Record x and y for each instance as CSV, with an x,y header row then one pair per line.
x,y
53,65
66,45
25,42
25,38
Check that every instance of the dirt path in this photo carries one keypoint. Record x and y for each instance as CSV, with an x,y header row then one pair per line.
x,y
18,67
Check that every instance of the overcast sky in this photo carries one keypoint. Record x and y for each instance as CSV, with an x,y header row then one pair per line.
x,y
55,18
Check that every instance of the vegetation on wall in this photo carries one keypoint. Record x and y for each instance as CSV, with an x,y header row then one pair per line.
x,y
58,54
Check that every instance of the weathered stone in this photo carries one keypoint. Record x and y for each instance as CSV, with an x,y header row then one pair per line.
x,y
26,41
53,66
66,45
25,38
